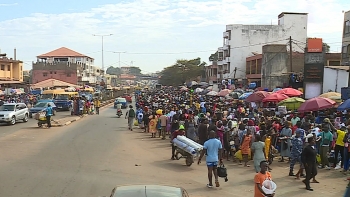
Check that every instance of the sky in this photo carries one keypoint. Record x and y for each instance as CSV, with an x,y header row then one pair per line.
x,y
152,34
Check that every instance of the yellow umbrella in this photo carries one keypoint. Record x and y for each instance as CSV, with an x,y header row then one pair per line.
x,y
159,112
336,99
330,94
292,103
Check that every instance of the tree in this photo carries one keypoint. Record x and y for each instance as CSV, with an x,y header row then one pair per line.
x,y
135,70
326,47
113,70
182,71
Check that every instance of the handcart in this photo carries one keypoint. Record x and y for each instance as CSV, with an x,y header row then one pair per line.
x,y
183,154
41,118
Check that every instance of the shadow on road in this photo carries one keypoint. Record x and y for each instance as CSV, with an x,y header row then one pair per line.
x,y
174,165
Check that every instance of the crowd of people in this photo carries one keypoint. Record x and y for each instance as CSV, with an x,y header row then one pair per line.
x,y
307,141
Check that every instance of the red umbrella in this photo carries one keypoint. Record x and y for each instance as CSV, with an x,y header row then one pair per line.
x,y
290,92
224,92
257,96
315,104
275,97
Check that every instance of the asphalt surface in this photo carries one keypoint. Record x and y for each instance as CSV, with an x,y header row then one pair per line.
x,y
96,153
8,129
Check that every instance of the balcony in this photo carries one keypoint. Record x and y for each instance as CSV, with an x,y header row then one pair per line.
x,y
221,49
227,59
226,47
226,34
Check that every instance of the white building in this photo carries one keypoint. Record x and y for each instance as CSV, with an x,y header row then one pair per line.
x,y
241,41
92,74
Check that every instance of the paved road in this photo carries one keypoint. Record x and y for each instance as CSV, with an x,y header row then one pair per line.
x,y
91,156
8,129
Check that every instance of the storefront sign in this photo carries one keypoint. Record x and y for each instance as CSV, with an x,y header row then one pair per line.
x,y
314,58
313,72
314,45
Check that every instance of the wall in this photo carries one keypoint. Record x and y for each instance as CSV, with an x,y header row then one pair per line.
x,y
63,75
255,36
346,41
274,64
12,69
335,78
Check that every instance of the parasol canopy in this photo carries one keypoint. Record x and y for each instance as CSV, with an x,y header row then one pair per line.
x,y
224,92
344,106
245,95
275,97
330,94
212,93
257,96
292,103
290,92
198,90
235,95
316,104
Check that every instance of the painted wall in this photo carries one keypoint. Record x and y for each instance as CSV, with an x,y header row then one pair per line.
x,y
334,80
42,75
246,39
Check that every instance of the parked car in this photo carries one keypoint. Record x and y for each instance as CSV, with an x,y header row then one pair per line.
x,y
10,113
148,191
40,107
121,101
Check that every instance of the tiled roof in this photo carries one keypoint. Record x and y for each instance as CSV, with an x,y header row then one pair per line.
x,y
51,83
62,52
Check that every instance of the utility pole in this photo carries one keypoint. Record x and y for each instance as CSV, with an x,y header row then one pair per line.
x,y
103,66
119,52
290,54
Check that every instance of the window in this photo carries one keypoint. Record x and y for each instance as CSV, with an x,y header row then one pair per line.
x,y
347,27
21,68
8,68
50,72
44,74
55,72
2,67
345,50
68,75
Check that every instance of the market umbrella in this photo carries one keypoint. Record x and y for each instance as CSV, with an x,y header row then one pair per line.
x,y
184,89
210,88
290,92
203,83
344,106
330,94
257,96
245,95
212,93
224,92
275,97
192,83
204,92
292,103
235,95
316,104
336,98
239,90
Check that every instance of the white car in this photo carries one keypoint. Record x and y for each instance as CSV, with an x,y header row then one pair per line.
x,y
10,113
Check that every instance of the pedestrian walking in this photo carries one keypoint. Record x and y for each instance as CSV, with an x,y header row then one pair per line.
x,y
308,157
97,104
213,150
130,115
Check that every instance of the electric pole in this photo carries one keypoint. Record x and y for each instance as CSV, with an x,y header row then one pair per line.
x,y
103,66
290,54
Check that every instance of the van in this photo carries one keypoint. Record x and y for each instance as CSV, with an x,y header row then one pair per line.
x,y
64,100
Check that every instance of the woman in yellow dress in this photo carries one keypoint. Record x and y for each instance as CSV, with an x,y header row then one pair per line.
x,y
268,145
153,125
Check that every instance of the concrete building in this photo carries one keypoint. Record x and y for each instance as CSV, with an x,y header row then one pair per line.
x,y
66,65
10,69
346,40
211,72
240,41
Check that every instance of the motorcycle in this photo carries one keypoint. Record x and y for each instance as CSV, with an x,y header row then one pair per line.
x,y
119,113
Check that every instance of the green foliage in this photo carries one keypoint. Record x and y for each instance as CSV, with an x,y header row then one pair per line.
x,y
113,70
326,47
135,70
214,57
182,71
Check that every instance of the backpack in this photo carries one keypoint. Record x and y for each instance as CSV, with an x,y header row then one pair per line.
x,y
131,113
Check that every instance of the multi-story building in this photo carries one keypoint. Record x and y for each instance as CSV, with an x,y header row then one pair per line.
x,y
346,40
66,65
10,69
240,41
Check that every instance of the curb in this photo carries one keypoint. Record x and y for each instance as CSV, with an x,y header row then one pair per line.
x,y
104,104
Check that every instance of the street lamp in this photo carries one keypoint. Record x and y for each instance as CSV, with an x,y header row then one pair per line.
x,y
103,66
119,52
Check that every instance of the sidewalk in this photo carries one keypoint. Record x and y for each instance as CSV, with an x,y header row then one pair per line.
x,y
69,120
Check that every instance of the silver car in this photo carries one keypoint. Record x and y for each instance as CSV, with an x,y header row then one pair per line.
x,y
10,113
148,191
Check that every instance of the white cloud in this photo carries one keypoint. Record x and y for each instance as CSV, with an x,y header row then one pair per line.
x,y
159,26
8,4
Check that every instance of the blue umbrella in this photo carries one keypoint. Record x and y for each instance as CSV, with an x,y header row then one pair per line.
x,y
276,89
245,95
344,106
